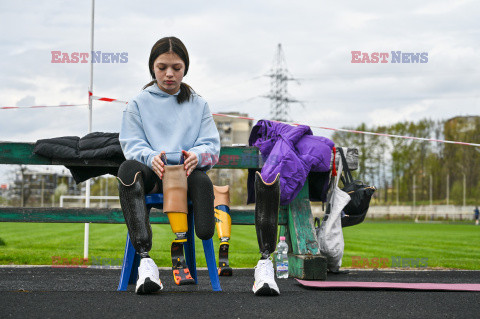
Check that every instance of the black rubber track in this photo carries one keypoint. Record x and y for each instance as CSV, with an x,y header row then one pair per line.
x,y
91,293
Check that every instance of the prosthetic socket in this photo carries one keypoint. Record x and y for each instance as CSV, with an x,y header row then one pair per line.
x,y
132,201
267,198
176,207
223,222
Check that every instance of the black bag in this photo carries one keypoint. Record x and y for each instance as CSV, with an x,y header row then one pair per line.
x,y
360,195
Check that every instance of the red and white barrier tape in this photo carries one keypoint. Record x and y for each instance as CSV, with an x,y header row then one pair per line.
x,y
37,106
106,99
360,132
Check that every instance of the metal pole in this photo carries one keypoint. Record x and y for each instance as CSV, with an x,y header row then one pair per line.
x,y
448,188
431,190
91,70
22,200
87,189
397,192
431,196
413,188
43,191
100,180
106,193
413,206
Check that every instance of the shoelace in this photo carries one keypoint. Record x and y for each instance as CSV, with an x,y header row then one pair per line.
x,y
149,269
266,269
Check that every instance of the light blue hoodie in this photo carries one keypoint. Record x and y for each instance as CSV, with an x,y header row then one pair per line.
x,y
153,122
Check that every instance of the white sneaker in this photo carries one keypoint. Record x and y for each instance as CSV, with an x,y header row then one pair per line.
x,y
265,284
148,277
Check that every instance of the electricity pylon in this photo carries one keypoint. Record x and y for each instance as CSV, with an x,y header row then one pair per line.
x,y
279,76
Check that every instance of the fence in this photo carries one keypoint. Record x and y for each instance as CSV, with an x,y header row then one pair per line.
x,y
113,203
419,213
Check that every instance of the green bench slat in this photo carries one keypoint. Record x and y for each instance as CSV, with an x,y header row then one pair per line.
x,y
22,153
103,215
230,157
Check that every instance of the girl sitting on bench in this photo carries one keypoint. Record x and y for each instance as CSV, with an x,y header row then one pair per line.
x,y
169,118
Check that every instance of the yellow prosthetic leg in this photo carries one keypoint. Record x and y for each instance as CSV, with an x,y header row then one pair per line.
x,y
223,222
176,207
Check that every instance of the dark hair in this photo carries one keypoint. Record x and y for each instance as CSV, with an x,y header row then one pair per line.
x,y
171,44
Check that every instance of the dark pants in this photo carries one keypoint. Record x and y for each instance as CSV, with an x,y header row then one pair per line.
x,y
200,192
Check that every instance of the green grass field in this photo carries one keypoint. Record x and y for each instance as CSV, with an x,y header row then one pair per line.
x,y
445,245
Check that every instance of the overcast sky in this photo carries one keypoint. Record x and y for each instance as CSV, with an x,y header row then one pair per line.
x,y
232,46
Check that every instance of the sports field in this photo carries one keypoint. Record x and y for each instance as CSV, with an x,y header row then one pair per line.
x,y
445,245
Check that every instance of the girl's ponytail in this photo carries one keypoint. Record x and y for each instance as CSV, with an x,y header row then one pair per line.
x,y
185,93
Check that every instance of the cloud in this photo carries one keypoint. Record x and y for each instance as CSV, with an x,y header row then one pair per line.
x,y
386,116
349,20
440,7
26,101
232,46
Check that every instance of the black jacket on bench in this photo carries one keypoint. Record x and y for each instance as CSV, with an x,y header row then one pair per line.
x,y
93,146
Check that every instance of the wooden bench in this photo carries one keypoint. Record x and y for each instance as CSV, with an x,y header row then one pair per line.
x,y
295,219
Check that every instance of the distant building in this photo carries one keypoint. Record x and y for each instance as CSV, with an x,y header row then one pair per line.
x,y
462,125
233,131
37,187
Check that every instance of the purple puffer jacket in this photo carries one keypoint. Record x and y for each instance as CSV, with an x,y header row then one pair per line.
x,y
293,152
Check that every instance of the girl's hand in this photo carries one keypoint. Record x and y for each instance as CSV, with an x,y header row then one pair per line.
x,y
191,161
157,165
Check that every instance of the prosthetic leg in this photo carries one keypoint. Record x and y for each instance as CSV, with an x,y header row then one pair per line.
x,y
176,207
267,197
132,200
224,226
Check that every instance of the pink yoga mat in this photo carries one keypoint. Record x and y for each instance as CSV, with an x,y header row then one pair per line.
x,y
389,285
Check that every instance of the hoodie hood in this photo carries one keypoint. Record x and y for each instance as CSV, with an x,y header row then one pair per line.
x,y
156,90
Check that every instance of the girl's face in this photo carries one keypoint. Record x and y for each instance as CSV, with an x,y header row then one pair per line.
x,y
169,69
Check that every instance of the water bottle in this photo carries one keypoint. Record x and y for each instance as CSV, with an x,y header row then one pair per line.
x,y
281,259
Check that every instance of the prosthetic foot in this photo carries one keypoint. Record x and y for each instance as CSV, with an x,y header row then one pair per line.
x,y
223,222
176,207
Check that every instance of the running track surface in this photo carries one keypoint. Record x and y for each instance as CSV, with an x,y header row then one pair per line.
x,y
45,292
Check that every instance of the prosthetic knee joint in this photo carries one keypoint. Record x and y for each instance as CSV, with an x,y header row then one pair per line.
x,y
176,207
267,198
223,222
